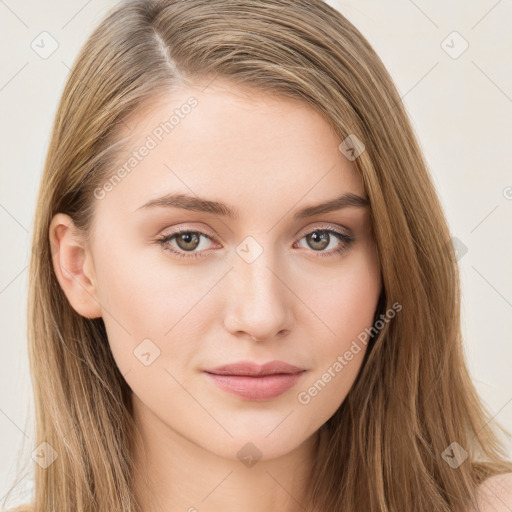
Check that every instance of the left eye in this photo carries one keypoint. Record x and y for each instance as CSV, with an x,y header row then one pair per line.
x,y
318,240
187,241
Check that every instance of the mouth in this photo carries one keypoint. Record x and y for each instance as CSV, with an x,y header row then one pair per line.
x,y
255,382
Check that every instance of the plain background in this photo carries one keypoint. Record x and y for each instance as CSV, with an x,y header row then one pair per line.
x,y
460,109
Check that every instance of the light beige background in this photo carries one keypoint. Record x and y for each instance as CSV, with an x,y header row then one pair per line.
x,y
460,109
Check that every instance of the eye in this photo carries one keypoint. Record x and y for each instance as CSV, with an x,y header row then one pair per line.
x,y
187,241
321,238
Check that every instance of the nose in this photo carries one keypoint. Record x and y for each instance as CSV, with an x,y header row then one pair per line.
x,y
260,304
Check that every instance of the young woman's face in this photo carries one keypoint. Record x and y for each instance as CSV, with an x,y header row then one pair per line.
x,y
261,283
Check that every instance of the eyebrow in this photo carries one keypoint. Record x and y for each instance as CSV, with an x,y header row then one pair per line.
x,y
198,204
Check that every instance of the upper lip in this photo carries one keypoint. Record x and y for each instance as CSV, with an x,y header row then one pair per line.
x,y
253,369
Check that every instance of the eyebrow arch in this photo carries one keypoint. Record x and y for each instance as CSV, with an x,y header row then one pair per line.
x,y
197,204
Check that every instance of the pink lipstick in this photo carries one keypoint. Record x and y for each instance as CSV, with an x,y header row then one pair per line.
x,y
256,382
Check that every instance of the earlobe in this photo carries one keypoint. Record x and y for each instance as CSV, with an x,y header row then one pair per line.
x,y
73,266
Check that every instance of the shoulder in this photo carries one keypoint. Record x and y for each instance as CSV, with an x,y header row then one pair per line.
x,y
495,493
22,508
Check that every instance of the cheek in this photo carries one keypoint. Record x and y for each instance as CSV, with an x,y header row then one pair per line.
x,y
151,307
345,299
346,305
134,309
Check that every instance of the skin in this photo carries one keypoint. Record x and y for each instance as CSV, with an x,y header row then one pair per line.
x,y
267,157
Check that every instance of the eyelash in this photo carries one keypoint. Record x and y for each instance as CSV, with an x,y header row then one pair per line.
x,y
342,237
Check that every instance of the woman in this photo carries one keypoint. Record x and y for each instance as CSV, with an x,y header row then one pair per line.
x,y
243,293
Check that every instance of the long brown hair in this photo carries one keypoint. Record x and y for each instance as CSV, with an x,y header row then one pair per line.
x,y
384,449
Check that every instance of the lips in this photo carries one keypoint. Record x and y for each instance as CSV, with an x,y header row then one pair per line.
x,y
251,369
255,382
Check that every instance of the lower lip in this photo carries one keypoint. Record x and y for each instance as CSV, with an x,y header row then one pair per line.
x,y
256,388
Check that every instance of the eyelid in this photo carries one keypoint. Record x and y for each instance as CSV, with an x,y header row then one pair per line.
x,y
313,227
190,229
323,225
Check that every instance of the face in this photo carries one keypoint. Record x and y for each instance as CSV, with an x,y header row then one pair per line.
x,y
186,286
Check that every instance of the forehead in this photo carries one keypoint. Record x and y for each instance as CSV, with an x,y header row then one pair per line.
x,y
235,145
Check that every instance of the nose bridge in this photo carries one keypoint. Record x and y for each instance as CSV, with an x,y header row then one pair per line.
x,y
255,269
260,304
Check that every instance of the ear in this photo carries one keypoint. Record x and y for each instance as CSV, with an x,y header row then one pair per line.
x,y
73,266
